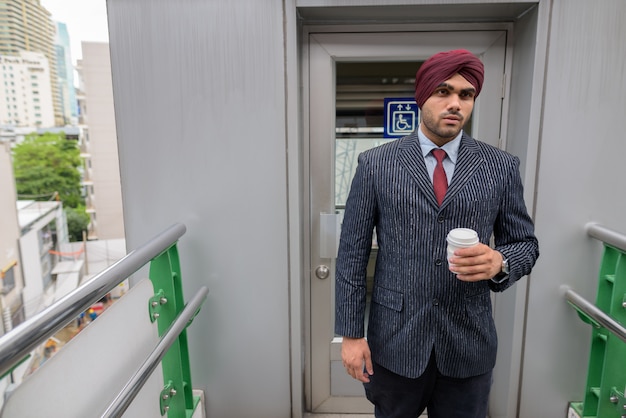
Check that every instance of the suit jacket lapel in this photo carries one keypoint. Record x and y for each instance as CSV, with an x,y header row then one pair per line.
x,y
411,158
467,163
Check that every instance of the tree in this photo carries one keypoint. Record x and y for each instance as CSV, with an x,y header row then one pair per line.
x,y
77,222
48,164
46,167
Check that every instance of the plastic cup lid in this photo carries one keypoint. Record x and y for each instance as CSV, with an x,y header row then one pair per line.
x,y
463,236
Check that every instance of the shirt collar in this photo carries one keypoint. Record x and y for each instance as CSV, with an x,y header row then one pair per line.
x,y
451,148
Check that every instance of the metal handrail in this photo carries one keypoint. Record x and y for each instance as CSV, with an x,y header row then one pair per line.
x,y
123,400
19,342
594,313
606,235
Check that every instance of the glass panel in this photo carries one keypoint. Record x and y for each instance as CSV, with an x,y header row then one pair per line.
x,y
360,93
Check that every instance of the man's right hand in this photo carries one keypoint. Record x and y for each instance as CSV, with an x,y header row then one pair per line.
x,y
354,353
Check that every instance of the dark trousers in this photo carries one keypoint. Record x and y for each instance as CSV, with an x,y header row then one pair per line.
x,y
395,396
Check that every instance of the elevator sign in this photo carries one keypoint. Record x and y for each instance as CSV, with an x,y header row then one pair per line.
x,y
401,116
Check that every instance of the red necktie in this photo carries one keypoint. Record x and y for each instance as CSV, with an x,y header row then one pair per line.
x,y
440,181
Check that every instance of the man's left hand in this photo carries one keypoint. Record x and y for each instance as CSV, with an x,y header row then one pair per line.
x,y
479,262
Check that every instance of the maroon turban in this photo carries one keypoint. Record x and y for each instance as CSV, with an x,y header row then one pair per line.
x,y
441,67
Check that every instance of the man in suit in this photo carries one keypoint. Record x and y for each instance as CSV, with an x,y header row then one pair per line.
x,y
431,340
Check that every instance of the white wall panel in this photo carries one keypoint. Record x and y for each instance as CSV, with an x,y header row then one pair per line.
x,y
580,180
199,92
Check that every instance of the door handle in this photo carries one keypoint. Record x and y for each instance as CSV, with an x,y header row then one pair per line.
x,y
322,272
330,227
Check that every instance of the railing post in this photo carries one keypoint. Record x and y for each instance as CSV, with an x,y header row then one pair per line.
x,y
177,396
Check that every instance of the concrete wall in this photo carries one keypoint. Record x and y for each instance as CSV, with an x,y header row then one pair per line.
x,y
579,180
8,224
9,235
200,110
207,101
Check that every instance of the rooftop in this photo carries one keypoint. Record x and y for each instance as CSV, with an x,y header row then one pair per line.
x,y
29,211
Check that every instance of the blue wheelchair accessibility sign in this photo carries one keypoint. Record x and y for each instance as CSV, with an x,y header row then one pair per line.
x,y
401,116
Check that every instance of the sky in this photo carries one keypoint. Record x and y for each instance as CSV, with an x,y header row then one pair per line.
x,y
86,20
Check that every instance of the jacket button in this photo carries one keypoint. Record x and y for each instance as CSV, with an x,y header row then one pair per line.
x,y
441,219
435,302
438,262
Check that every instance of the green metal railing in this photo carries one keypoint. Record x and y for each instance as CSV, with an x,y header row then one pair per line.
x,y
166,307
606,376
166,279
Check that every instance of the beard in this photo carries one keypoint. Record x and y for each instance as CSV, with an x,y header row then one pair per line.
x,y
437,126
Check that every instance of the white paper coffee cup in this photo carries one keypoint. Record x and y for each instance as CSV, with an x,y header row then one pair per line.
x,y
460,238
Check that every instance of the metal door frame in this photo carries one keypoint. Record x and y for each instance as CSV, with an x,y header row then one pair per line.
x,y
313,181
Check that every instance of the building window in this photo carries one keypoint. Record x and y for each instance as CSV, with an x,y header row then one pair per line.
x,y
8,277
47,238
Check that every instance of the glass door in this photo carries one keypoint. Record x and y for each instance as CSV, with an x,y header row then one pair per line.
x,y
351,79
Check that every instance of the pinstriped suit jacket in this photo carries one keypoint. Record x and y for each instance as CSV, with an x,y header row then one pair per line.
x,y
417,304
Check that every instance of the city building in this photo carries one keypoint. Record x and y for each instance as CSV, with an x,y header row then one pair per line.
x,y
42,229
101,171
65,72
25,91
27,26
